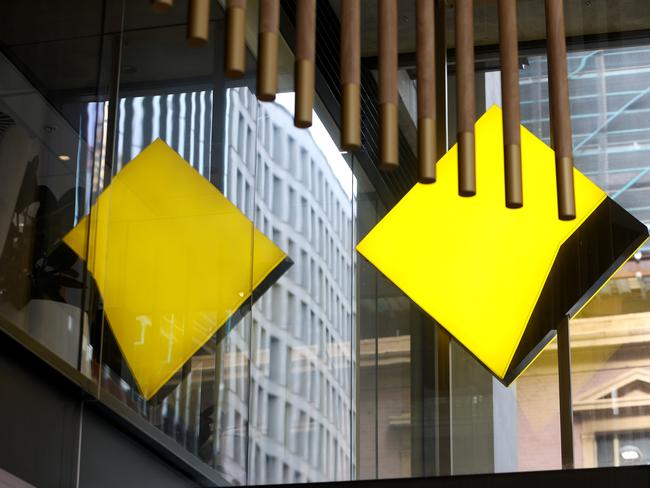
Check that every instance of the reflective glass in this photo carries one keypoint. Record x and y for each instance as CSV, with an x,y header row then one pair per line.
x,y
54,83
186,247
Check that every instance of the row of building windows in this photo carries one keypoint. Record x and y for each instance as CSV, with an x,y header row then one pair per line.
x,y
314,229
304,174
297,368
300,400
295,313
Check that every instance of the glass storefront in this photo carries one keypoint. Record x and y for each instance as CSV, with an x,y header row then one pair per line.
x,y
280,354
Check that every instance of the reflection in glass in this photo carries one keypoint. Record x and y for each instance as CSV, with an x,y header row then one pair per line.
x,y
609,340
270,401
300,384
45,163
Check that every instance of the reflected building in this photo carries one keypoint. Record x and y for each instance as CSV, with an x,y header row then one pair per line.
x,y
610,100
296,410
300,383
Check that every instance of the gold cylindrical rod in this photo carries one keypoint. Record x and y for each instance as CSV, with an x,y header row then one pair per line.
x,y
161,5
267,50
198,22
465,97
559,108
388,125
509,53
304,65
426,84
235,55
350,75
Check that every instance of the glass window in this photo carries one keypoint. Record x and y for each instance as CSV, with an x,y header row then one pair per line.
x,y
316,367
54,118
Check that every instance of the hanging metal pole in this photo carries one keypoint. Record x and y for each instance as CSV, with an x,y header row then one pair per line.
x,y
304,65
235,59
198,22
566,405
509,54
388,118
426,90
350,75
465,97
267,50
560,111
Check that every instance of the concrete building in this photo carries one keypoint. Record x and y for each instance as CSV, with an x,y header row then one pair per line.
x,y
300,377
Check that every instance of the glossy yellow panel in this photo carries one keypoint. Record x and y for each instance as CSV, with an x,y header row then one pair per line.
x,y
474,265
173,260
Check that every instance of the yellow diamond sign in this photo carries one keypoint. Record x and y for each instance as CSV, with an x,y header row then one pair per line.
x,y
173,260
500,280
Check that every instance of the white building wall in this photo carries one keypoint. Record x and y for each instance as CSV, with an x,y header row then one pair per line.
x,y
301,400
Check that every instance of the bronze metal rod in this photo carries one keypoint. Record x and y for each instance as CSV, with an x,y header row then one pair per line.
x,y
267,50
161,5
235,56
304,65
465,97
559,108
426,86
566,402
509,53
388,116
198,22
350,75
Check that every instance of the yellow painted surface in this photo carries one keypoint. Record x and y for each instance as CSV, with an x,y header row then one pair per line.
x,y
173,260
474,265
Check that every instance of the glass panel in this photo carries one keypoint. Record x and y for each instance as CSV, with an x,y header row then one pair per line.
x,y
301,382
611,362
174,298
609,358
209,276
55,73
267,397
533,400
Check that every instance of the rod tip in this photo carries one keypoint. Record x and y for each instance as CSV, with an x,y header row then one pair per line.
x,y
350,146
266,97
302,124
161,6
196,41
388,166
233,72
514,205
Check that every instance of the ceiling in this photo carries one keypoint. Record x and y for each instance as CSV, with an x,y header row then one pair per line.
x,y
58,40
583,17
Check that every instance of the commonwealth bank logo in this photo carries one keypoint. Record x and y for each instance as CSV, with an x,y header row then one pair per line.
x,y
173,260
500,280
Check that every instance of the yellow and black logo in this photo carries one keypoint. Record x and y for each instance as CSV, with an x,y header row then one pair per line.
x,y
500,280
173,259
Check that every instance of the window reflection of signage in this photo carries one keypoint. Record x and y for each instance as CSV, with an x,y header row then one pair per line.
x,y
173,259
500,280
